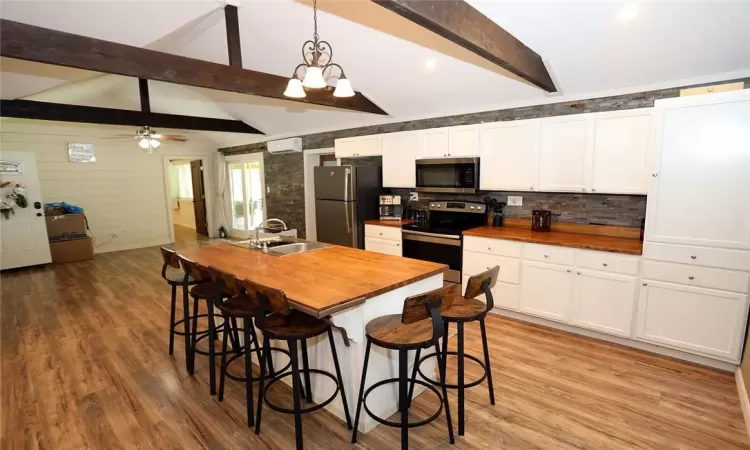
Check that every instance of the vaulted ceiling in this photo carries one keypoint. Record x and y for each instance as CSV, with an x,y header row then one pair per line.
x,y
586,47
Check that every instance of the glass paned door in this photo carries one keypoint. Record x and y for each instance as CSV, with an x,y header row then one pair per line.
x,y
246,196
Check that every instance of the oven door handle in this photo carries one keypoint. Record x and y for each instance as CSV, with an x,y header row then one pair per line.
x,y
442,239
437,235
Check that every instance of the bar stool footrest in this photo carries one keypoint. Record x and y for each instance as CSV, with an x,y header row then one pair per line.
x,y
200,332
254,379
316,407
398,424
476,382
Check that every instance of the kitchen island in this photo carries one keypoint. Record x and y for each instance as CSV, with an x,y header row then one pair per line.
x,y
352,287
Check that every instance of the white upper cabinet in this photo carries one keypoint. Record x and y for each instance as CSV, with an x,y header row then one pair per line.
x,y
620,162
433,143
400,152
463,141
565,153
509,153
358,146
700,186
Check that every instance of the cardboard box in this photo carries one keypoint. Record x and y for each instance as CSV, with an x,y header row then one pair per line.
x,y
67,226
71,250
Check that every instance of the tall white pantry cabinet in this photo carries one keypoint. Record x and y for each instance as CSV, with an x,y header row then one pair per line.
x,y
696,261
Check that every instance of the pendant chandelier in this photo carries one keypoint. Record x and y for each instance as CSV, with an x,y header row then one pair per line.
x,y
319,67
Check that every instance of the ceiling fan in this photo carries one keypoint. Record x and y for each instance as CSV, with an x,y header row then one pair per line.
x,y
148,139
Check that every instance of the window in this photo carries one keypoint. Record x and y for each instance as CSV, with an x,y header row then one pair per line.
x,y
184,178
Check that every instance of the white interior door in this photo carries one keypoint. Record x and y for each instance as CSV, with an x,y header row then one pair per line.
x,y
246,189
23,235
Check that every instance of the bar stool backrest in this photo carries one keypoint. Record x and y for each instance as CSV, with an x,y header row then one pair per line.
x,y
483,283
170,260
193,269
269,299
226,281
425,306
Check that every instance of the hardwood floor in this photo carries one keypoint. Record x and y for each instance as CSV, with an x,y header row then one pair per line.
x,y
184,234
85,365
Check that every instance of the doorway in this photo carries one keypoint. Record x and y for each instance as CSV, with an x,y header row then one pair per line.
x,y
188,200
313,159
246,202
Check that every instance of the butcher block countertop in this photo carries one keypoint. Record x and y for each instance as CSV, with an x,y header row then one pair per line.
x,y
319,282
564,239
389,223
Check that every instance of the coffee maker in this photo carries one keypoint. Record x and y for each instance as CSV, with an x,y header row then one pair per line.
x,y
390,207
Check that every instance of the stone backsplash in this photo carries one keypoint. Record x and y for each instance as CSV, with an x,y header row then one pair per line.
x,y
596,209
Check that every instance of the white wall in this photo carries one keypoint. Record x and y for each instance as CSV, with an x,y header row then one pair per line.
x,y
123,192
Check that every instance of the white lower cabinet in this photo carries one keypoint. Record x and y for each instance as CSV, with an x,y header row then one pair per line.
x,y
546,290
707,321
383,246
603,302
505,295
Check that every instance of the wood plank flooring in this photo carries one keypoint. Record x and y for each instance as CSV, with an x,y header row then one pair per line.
x,y
84,365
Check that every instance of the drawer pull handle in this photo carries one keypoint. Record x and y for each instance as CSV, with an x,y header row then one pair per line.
x,y
645,284
605,264
693,257
489,248
568,270
579,273
546,256
691,277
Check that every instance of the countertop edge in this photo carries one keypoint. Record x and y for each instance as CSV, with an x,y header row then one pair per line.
x,y
353,302
477,233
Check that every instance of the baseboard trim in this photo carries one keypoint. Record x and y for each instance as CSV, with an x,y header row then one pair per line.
x,y
672,353
744,401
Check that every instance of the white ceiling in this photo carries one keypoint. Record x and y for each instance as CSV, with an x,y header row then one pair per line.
x,y
586,47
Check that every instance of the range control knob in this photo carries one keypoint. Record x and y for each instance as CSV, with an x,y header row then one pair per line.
x,y
471,207
432,205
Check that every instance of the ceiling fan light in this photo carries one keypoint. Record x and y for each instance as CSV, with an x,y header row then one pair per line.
x,y
314,78
143,143
294,89
154,143
343,88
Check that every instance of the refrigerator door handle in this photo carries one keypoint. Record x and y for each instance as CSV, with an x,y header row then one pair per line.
x,y
348,224
347,175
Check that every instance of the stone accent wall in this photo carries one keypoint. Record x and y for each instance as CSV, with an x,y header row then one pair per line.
x,y
595,209
284,173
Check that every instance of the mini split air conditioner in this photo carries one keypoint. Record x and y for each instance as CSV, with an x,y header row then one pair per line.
x,y
293,145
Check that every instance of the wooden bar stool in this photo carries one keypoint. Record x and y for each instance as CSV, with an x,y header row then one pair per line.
x,y
295,328
175,276
418,326
240,306
209,292
460,310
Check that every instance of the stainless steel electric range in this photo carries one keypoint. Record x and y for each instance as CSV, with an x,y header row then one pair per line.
x,y
439,238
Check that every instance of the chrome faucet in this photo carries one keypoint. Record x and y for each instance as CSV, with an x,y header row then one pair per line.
x,y
263,224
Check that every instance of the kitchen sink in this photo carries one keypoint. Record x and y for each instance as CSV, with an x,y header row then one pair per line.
x,y
282,246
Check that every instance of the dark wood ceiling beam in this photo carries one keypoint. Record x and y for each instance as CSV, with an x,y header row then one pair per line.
x,y
462,24
233,35
145,99
43,45
28,109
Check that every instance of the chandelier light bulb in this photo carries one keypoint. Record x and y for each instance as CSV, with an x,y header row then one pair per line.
x,y
294,88
314,78
343,88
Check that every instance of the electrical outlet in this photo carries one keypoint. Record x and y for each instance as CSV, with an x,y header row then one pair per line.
x,y
414,196
515,200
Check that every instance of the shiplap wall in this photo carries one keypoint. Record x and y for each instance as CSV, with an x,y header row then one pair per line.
x,y
123,192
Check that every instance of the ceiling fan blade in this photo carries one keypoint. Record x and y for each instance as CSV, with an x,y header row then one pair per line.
x,y
174,138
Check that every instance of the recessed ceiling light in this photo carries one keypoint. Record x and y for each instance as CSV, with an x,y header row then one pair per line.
x,y
627,12
430,64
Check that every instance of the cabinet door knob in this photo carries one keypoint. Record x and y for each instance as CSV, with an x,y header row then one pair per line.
x,y
398,245
531,188
380,234
489,248
645,284
568,271
584,189
691,277
654,175
605,264
546,256
578,273
693,257
488,267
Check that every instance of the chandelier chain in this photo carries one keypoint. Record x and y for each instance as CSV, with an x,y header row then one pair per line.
x,y
315,21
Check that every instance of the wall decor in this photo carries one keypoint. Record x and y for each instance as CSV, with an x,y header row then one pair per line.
x,y
10,167
81,153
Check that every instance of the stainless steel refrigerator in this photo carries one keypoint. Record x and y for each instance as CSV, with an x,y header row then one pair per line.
x,y
345,196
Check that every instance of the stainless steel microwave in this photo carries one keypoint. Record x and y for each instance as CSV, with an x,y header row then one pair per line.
x,y
452,175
